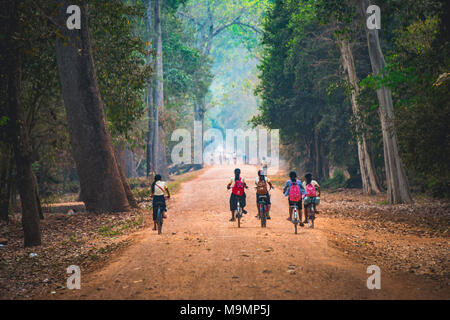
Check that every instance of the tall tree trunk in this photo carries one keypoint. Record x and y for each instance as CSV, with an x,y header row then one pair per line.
x,y
5,183
18,133
324,163
102,188
398,188
370,182
160,163
130,163
199,115
38,198
149,97
316,166
150,133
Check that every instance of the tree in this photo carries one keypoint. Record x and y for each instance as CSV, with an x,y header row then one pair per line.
x,y
159,152
211,18
102,187
369,178
398,187
152,112
17,128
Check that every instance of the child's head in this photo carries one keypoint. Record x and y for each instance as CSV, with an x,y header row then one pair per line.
x,y
260,174
293,175
157,178
237,173
308,177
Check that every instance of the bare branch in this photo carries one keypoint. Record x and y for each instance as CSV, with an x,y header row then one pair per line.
x,y
254,28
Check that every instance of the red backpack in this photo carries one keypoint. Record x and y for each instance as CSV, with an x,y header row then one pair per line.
x,y
294,192
238,188
310,190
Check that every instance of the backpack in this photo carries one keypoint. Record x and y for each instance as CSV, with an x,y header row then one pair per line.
x,y
294,193
238,188
261,187
310,190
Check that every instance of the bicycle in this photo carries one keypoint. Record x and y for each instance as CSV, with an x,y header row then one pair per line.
x,y
238,213
295,217
262,204
311,216
159,216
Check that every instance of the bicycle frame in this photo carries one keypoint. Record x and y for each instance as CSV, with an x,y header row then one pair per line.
x,y
159,218
311,212
262,202
238,209
294,213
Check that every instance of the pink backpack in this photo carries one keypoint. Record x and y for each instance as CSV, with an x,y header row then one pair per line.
x,y
294,193
310,190
238,188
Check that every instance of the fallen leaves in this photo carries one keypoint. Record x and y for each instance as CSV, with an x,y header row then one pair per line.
x,y
67,239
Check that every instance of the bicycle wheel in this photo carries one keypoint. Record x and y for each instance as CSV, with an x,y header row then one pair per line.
x,y
159,220
295,227
311,217
239,219
263,217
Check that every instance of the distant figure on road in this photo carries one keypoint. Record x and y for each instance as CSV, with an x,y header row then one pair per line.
x,y
264,165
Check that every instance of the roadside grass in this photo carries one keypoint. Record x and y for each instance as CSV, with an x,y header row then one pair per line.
x,y
142,194
117,229
279,179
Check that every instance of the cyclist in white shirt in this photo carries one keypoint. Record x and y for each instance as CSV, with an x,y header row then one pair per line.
x,y
159,189
307,200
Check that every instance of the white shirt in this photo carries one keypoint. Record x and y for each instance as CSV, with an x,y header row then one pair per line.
x,y
313,182
159,187
265,178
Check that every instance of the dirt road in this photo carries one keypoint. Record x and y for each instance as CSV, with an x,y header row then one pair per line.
x,y
201,255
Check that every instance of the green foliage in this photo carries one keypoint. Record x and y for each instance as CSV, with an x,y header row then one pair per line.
x,y
141,194
299,92
337,181
120,60
3,120
303,92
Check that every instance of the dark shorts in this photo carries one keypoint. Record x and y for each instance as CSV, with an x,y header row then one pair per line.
x,y
267,195
234,199
297,203
158,200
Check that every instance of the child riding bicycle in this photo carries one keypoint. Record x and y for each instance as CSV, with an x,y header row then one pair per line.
x,y
294,189
237,185
262,191
158,190
312,193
